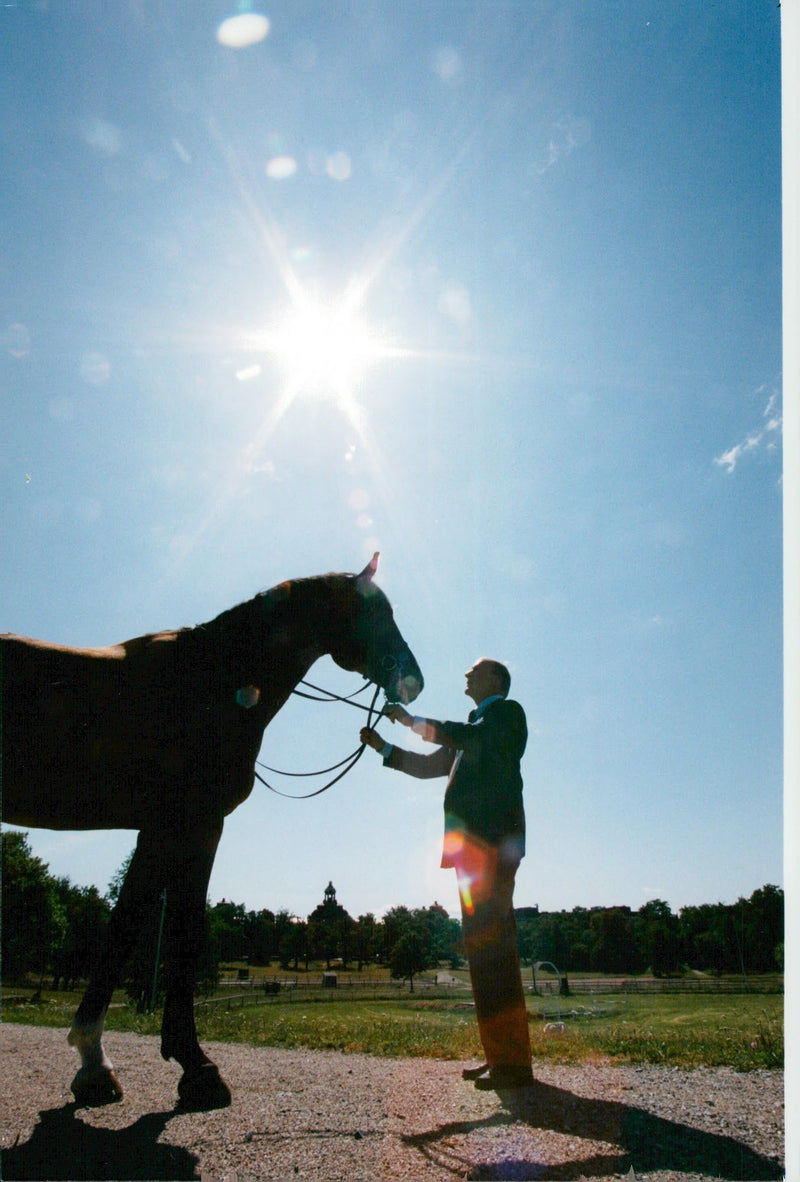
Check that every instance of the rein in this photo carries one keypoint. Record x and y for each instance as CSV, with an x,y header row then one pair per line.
x,y
349,760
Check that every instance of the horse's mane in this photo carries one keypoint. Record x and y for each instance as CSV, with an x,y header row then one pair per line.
x,y
242,627
290,589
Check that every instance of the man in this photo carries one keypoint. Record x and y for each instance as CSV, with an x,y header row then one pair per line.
x,y
484,840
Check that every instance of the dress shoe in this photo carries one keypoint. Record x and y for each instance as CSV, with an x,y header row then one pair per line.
x,y
505,1077
475,1072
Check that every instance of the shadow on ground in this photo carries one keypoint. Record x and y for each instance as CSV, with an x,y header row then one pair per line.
x,y
63,1146
645,1142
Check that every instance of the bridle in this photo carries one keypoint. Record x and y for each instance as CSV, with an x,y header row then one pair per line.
x,y
348,762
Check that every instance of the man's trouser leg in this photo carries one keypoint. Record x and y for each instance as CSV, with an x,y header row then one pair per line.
x,y
490,940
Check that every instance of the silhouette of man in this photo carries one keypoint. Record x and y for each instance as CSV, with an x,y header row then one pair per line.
x,y
484,841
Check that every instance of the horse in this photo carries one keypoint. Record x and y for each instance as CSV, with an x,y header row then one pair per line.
x,y
160,734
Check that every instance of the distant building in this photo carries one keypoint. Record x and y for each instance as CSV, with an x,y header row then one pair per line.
x,y
330,929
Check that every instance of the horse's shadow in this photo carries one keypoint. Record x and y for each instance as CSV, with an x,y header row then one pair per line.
x,y
63,1147
644,1142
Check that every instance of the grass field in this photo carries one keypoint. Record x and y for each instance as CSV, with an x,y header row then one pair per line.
x,y
741,1031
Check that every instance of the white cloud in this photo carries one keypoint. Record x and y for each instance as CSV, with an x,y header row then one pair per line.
x,y
766,437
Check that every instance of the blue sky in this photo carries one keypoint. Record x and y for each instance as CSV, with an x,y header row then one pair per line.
x,y
551,234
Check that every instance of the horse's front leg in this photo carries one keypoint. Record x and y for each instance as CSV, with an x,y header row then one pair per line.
x,y
96,1081
201,1087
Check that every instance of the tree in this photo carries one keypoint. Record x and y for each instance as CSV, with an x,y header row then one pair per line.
x,y
115,886
292,941
34,922
229,930
526,940
579,940
86,913
550,940
444,933
259,934
656,932
394,922
410,955
762,924
708,938
366,935
613,945
409,944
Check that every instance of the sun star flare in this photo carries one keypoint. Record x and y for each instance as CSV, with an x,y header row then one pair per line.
x,y
324,349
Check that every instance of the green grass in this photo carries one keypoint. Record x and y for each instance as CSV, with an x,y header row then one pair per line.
x,y
381,1027
743,1032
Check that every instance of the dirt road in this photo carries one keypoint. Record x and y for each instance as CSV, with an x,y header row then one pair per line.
x,y
325,1116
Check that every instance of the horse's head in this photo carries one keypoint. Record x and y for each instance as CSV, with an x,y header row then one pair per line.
x,y
368,641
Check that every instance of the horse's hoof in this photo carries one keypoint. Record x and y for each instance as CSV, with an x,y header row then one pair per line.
x,y
92,1087
202,1089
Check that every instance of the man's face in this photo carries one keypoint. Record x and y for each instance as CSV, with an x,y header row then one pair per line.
x,y
482,681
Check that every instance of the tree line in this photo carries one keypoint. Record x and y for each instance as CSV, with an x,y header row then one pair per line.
x,y
52,928
742,937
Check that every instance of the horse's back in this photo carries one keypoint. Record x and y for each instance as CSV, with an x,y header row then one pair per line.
x,y
28,660
65,710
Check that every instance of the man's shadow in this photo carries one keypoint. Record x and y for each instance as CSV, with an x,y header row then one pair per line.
x,y
645,1142
64,1147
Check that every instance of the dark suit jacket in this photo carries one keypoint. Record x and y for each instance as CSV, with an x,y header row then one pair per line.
x,y
483,798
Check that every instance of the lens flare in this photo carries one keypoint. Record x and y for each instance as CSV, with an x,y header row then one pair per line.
x,y
243,30
475,864
324,349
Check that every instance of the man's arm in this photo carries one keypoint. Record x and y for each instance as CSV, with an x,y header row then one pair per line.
x,y
503,727
427,728
413,763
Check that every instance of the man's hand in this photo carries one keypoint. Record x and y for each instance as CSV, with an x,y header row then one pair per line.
x,y
398,714
371,738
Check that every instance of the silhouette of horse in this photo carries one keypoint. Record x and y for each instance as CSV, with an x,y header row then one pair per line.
x,y
161,734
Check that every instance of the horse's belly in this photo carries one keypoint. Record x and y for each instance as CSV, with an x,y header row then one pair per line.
x,y
78,753
67,815
115,783
54,797
87,783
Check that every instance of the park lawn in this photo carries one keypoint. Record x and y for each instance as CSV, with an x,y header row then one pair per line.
x,y
388,1027
741,1031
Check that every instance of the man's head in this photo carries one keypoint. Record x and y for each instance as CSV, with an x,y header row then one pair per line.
x,y
487,677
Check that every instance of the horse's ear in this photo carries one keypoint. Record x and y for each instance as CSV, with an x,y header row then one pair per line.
x,y
370,570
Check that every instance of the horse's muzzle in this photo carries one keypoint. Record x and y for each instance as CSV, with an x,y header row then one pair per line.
x,y
406,683
408,688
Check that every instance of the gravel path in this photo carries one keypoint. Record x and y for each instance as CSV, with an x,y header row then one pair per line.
x,y
325,1116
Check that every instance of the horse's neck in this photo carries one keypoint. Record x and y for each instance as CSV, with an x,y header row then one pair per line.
x,y
274,635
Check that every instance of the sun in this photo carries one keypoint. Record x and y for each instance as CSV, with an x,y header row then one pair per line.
x,y
323,348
